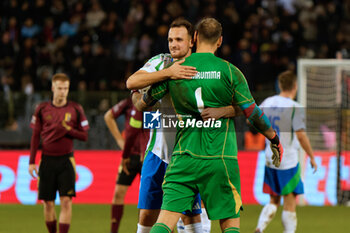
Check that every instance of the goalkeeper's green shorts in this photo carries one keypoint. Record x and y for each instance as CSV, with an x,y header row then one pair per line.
x,y
217,181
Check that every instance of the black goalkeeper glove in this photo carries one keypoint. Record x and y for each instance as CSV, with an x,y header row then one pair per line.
x,y
277,150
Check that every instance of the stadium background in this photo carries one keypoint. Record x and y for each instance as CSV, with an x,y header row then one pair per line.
x,y
100,43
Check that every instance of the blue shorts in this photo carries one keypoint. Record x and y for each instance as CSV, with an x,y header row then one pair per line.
x,y
282,182
152,177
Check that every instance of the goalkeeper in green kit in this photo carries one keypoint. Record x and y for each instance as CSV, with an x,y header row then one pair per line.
x,y
204,158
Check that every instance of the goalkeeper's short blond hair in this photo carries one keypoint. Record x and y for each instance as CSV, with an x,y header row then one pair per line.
x,y
209,30
287,80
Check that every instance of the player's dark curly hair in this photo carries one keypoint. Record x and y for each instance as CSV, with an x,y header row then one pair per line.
x,y
181,22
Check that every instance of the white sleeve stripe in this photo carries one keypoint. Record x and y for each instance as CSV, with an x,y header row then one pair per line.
x,y
84,123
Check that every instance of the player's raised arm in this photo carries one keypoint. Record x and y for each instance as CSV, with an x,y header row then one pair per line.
x,y
142,78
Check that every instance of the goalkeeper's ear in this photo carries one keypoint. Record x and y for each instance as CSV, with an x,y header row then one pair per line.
x,y
195,37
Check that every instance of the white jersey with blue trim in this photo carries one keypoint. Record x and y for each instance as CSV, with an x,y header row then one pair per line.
x,y
286,117
161,142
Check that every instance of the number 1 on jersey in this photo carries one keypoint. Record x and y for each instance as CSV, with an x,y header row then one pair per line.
x,y
199,100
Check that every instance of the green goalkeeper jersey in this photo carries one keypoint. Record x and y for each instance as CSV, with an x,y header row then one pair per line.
x,y
217,84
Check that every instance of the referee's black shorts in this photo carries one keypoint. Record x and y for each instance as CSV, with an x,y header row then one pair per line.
x,y
56,173
134,169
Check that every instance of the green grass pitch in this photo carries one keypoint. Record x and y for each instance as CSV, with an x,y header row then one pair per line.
x,y
95,219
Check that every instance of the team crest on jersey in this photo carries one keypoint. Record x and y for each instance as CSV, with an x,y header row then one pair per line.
x,y
67,116
48,117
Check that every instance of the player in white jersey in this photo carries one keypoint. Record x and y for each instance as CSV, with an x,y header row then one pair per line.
x,y
288,120
161,142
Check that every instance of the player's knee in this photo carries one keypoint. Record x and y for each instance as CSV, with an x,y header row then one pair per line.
x,y
289,202
119,193
191,219
49,205
66,203
148,217
275,200
119,196
229,223
289,207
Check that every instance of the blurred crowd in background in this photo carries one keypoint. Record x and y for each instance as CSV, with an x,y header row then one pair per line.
x,y
99,43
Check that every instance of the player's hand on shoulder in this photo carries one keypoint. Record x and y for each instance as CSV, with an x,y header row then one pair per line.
x,y
33,171
178,71
277,150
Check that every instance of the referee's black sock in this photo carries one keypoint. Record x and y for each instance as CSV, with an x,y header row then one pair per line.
x,y
51,226
63,227
117,214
